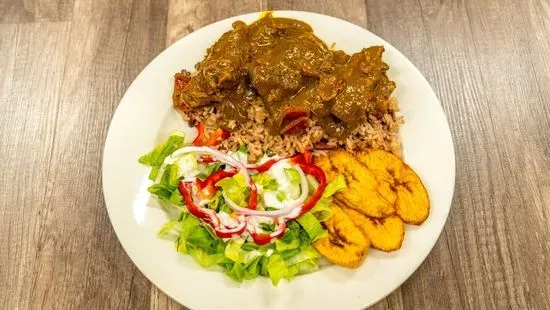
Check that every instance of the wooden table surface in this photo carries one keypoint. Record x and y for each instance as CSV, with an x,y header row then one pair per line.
x,y
65,64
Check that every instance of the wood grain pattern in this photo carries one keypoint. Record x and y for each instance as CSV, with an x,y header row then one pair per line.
x,y
21,11
30,98
64,81
186,16
351,10
65,64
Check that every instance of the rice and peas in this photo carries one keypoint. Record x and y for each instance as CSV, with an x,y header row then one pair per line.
x,y
377,133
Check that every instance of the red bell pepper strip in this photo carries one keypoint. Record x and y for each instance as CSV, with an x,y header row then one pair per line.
x,y
307,157
319,174
208,186
261,239
218,135
295,126
200,135
209,216
294,113
303,159
253,201
202,213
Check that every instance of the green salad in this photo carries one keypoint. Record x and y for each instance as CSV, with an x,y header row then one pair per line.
x,y
248,220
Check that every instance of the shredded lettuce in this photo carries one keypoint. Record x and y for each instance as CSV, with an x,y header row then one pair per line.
x,y
336,185
276,268
156,157
223,207
296,250
305,261
263,266
167,228
200,237
188,166
153,174
170,176
197,241
162,191
292,175
312,226
322,210
167,188
265,180
282,245
213,168
173,200
244,260
236,272
291,233
176,198
312,183
307,253
215,201
235,188
267,227
247,246
206,260
289,253
241,259
252,268
307,266
281,196
233,251
252,255
190,223
294,226
202,176
292,271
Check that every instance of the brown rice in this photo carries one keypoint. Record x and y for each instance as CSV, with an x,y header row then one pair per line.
x,y
378,133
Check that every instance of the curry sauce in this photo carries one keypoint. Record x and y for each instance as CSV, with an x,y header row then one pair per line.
x,y
280,63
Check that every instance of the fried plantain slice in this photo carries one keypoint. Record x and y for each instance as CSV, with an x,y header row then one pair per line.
x,y
412,204
385,234
345,244
363,193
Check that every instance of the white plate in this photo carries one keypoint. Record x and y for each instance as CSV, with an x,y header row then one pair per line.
x,y
145,115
